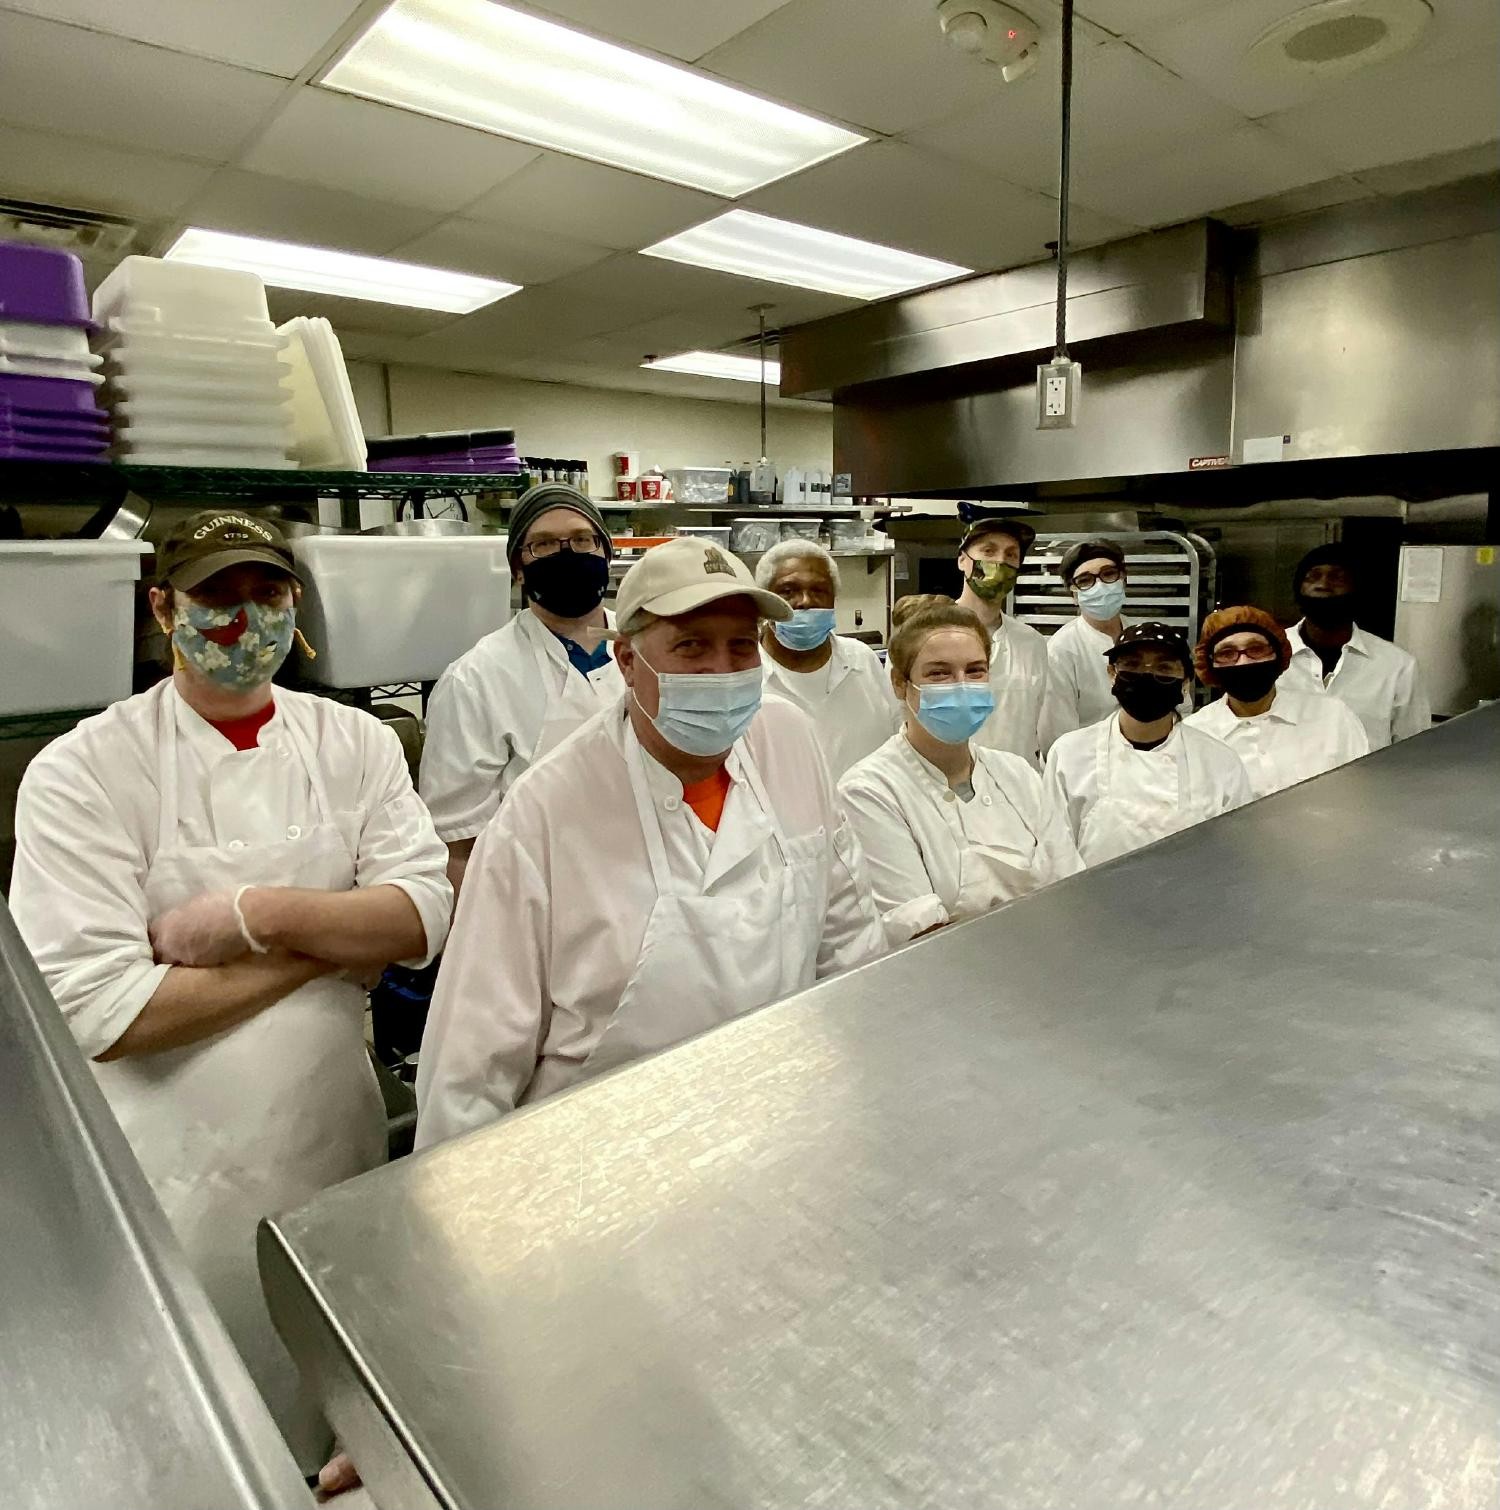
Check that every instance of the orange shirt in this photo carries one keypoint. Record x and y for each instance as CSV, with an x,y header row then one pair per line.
x,y
706,798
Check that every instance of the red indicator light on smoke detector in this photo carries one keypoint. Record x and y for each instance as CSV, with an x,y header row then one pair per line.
x,y
1011,34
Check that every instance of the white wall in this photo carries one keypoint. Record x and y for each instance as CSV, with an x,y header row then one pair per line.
x,y
561,419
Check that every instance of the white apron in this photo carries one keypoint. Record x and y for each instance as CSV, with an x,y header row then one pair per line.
x,y
259,1118
706,959
992,874
1121,821
567,706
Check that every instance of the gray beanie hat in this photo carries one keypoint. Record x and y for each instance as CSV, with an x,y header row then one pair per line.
x,y
535,502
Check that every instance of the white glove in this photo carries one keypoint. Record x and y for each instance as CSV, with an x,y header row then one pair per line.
x,y
209,930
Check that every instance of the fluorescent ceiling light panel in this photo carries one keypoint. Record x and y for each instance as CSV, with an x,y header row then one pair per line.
x,y
780,251
283,264
483,64
718,364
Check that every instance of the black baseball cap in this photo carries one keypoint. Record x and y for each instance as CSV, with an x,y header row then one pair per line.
x,y
209,541
1018,530
1163,636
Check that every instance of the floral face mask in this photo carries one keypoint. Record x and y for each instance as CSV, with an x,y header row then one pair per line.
x,y
238,646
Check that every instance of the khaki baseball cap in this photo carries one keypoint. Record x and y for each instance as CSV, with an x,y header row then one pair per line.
x,y
687,573
209,541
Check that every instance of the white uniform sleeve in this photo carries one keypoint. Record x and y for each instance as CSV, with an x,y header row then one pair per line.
x,y
1060,700
903,889
463,758
491,1008
1412,713
398,845
78,898
852,930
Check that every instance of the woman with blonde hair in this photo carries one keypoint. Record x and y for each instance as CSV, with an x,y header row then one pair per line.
x,y
950,829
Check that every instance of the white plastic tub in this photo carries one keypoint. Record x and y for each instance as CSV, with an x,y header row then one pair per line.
x,y
396,608
148,291
67,621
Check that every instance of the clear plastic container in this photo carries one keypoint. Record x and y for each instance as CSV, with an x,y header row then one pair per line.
x,y
67,619
147,292
800,529
326,430
701,485
753,536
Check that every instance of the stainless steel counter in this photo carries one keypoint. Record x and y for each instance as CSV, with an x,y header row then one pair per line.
x,y
1174,1185
119,1389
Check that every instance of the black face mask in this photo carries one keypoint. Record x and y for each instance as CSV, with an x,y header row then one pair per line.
x,y
1249,681
1327,612
569,584
1146,696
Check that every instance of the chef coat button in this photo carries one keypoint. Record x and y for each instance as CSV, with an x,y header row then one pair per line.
x,y
988,801
950,795
294,832
236,844
672,804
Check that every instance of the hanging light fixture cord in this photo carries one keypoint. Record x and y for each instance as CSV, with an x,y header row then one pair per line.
x,y
762,313
1064,174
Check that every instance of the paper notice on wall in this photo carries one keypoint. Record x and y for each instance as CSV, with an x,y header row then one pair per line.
x,y
1422,574
1263,448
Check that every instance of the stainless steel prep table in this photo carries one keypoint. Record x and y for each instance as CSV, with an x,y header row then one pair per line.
x,y
119,1389
1174,1185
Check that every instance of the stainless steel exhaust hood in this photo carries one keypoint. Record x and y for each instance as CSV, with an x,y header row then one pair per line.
x,y
1334,341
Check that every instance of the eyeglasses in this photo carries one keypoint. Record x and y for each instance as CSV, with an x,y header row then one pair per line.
x,y
1086,579
585,542
1230,655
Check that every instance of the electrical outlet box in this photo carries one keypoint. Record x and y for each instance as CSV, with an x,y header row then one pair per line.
x,y
1057,385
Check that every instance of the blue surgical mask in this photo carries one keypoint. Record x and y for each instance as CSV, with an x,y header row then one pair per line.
x,y
954,712
806,629
248,660
703,713
1103,600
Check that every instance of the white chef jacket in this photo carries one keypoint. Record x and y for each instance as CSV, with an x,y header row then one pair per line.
x,y
1018,678
1376,680
1188,778
935,858
87,827
1301,735
852,707
495,711
559,892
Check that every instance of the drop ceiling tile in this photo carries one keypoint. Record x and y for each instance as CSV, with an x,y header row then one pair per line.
x,y
513,253
283,211
1250,163
82,83
670,27
1129,18
348,315
372,346
1429,172
1379,121
89,175
351,144
534,320
689,330
894,194
878,64
1124,107
272,36
1213,51
591,203
1318,196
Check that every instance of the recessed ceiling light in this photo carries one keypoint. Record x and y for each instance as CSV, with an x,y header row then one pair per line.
x,y
483,64
1336,37
781,251
718,364
283,264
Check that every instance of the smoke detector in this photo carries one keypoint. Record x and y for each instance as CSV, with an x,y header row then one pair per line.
x,y
1336,37
993,33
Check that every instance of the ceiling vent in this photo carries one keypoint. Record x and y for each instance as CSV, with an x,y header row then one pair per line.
x,y
1336,37
82,232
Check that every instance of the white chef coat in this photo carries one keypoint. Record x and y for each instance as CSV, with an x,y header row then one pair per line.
x,y
1018,678
849,700
1376,680
935,858
1301,735
561,895
1118,798
86,830
496,711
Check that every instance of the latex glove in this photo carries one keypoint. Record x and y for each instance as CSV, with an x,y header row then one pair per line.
x,y
205,931
337,1476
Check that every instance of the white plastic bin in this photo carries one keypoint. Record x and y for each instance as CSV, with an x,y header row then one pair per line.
x,y
167,294
67,622
398,608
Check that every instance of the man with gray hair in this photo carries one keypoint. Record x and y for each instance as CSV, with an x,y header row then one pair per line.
x,y
679,861
838,682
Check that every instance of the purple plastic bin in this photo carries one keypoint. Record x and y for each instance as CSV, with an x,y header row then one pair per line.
x,y
52,395
9,452
42,284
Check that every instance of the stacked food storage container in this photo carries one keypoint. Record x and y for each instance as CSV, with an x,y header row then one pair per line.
x,y
47,375
195,369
